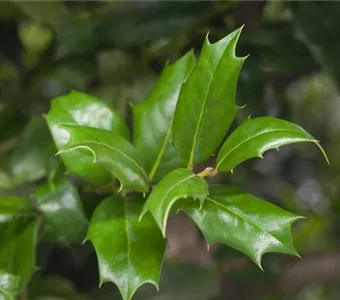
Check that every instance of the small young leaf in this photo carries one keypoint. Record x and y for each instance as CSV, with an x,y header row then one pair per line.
x,y
181,183
9,285
244,222
153,119
62,210
110,151
12,207
80,109
255,136
17,247
130,253
206,105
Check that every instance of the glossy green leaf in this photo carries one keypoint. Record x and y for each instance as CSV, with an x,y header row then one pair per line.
x,y
110,151
80,109
9,285
206,105
130,252
179,184
256,136
62,211
31,155
183,282
153,119
244,222
12,207
17,247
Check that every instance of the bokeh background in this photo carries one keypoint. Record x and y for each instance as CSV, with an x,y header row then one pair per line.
x,y
116,50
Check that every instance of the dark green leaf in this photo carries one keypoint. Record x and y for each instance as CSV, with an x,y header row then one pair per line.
x,y
130,253
80,109
153,119
179,184
244,222
206,105
183,282
12,207
33,152
256,136
62,210
9,285
111,151
17,247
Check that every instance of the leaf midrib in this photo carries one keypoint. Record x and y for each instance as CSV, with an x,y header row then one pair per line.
x,y
127,242
191,158
245,220
114,149
252,137
160,154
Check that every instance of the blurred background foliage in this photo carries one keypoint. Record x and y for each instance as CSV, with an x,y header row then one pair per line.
x,y
115,50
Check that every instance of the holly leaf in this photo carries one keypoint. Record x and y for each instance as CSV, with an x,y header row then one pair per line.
x,y
244,222
12,207
179,184
62,211
256,136
207,100
110,151
9,285
80,109
130,253
17,247
153,119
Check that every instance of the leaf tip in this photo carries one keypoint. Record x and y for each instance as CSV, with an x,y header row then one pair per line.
x,y
142,214
322,151
207,38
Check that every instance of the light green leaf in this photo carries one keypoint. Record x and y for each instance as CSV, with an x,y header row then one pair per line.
x,y
62,211
12,207
183,282
17,247
255,136
31,155
244,222
110,151
130,253
179,184
9,285
80,109
153,119
206,105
